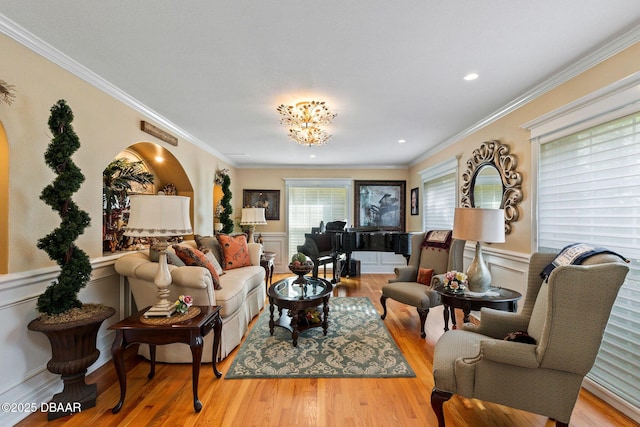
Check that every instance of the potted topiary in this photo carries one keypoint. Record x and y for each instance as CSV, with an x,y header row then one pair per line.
x,y
70,325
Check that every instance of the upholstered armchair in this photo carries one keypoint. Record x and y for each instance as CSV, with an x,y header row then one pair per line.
x,y
566,315
405,287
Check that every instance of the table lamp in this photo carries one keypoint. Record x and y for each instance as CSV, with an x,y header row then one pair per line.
x,y
479,225
252,217
160,217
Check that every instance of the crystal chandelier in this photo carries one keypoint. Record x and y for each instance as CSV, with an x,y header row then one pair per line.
x,y
305,120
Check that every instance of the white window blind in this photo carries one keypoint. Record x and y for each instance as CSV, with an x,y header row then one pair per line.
x,y
439,202
307,206
589,191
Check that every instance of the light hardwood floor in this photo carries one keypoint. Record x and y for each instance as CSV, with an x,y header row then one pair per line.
x,y
166,400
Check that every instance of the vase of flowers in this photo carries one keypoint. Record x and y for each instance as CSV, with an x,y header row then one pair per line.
x,y
183,303
455,282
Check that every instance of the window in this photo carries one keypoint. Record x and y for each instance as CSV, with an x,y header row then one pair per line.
x,y
588,192
310,202
439,185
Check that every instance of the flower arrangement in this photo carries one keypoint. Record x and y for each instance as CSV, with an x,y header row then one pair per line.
x,y
183,303
455,281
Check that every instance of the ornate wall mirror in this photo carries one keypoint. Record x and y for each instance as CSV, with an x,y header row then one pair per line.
x,y
492,182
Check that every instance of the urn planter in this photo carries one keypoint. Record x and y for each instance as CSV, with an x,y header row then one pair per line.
x,y
73,350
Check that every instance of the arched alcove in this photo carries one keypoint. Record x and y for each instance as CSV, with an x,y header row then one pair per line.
x,y
4,202
164,166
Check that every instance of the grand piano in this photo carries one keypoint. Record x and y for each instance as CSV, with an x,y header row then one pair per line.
x,y
334,243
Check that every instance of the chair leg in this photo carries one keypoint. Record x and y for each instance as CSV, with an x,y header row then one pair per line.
x,y
383,301
438,397
561,424
422,312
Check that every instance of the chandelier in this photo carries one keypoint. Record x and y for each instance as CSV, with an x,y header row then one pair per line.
x,y
304,121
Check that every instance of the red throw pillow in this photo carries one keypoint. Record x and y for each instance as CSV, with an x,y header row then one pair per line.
x,y
194,257
425,275
235,250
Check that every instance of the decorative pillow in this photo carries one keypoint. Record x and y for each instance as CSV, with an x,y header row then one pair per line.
x,y
211,243
211,257
235,250
520,336
425,275
194,257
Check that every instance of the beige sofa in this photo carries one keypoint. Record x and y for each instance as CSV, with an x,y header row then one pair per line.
x,y
242,296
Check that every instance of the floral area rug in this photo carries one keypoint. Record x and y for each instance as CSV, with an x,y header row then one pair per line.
x,y
357,345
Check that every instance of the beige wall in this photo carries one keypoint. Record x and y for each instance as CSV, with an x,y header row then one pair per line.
x,y
508,130
106,126
274,179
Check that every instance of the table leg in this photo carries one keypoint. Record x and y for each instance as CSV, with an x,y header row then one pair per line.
x,y
325,314
445,314
217,333
196,353
466,310
454,322
117,354
294,325
152,356
272,324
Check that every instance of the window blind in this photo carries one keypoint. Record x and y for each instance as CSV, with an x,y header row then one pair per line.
x,y
439,201
588,191
307,206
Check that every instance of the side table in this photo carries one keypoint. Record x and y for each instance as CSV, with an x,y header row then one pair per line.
x,y
268,261
498,298
137,329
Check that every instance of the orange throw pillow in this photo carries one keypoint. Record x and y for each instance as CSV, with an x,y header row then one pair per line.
x,y
194,257
425,275
235,250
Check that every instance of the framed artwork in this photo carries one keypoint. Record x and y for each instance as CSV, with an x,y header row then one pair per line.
x,y
415,201
380,204
267,199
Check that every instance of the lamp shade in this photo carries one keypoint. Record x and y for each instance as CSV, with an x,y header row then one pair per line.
x,y
480,225
158,216
253,216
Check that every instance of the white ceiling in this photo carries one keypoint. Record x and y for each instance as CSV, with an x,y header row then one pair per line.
x,y
391,70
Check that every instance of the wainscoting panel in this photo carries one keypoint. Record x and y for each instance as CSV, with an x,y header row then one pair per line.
x,y
508,269
23,360
277,242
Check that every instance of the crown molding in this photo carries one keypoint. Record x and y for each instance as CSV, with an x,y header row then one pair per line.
x,y
600,54
44,49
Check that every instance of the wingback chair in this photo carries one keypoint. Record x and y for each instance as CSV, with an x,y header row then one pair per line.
x,y
566,315
405,288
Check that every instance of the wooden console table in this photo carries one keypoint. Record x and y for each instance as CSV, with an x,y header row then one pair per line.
x,y
136,329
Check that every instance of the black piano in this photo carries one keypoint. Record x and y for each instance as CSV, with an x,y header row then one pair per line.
x,y
333,243
374,240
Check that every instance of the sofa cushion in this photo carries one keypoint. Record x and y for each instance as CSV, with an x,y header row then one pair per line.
x,y
194,257
211,243
235,250
236,284
214,261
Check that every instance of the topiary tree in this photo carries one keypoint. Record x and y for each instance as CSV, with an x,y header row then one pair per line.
x,y
227,210
75,266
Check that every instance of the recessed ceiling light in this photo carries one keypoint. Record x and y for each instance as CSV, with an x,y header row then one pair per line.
x,y
471,76
402,141
313,156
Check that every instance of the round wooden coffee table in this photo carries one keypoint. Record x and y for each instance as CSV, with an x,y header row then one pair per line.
x,y
293,299
497,298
